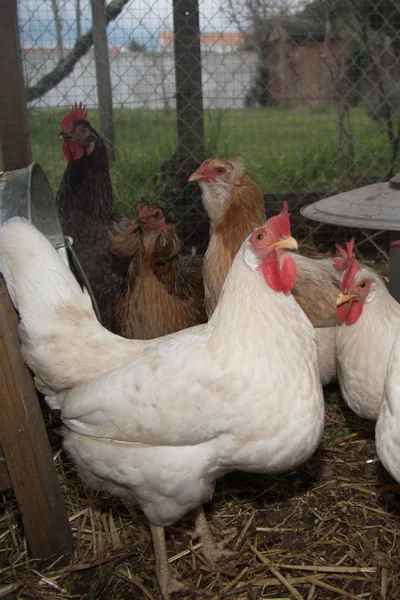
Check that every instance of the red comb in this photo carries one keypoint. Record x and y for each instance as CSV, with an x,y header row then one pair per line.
x,y
76,113
394,244
350,274
281,223
143,209
340,262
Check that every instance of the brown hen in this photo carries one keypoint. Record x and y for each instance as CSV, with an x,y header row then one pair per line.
x,y
235,206
163,291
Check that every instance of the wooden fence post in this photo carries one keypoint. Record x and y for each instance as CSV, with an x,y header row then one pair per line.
x,y
189,97
14,129
189,108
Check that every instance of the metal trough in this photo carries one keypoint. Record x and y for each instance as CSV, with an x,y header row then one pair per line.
x,y
27,193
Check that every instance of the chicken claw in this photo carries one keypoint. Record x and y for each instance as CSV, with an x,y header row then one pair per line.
x,y
212,551
168,584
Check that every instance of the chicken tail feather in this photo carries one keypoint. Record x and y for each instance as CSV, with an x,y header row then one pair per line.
x,y
58,325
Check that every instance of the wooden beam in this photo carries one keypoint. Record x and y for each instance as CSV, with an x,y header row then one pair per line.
x,y
5,481
189,97
14,129
26,447
104,89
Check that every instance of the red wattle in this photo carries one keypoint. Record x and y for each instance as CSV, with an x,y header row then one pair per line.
x,y
270,269
72,151
349,312
288,273
279,277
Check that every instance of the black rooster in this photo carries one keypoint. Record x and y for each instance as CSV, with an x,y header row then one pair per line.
x,y
87,211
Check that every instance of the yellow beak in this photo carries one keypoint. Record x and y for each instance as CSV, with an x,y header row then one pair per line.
x,y
195,176
289,243
342,297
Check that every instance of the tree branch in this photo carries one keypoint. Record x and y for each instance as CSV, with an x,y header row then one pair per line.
x,y
67,64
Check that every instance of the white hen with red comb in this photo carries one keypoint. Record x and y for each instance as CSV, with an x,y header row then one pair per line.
x,y
368,318
388,424
157,422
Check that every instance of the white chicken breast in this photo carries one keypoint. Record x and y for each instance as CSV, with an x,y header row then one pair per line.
x,y
387,432
157,422
368,319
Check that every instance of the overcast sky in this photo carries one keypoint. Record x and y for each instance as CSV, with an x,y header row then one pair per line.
x,y
140,19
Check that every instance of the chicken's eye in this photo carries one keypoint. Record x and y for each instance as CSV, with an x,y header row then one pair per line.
x,y
220,169
362,284
156,215
83,130
260,236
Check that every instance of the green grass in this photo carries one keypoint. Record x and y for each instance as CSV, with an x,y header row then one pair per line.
x,y
284,150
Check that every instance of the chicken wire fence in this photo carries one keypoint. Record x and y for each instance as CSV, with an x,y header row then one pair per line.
x,y
308,92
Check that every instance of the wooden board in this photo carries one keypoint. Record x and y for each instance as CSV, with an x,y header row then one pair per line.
x,y
26,448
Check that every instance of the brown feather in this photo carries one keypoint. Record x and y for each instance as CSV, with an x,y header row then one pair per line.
x,y
245,210
163,291
126,242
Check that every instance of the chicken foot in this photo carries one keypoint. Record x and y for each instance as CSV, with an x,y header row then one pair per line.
x,y
167,582
211,550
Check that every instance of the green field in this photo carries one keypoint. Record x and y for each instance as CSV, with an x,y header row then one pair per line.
x,y
285,150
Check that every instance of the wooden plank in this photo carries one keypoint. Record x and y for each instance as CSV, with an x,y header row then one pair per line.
x,y
14,129
26,448
104,89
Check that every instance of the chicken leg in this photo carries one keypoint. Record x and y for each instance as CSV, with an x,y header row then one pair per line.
x,y
210,549
168,584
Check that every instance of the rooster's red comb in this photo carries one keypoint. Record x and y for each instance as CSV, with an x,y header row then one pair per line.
x,y
341,262
76,113
280,224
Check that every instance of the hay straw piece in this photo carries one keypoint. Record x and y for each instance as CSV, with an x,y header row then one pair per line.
x,y
116,540
232,584
384,578
278,575
49,582
323,569
270,581
327,586
184,552
244,531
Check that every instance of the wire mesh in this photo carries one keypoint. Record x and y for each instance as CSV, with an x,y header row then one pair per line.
x,y
308,92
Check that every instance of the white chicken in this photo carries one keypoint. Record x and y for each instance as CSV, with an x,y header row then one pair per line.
x,y
387,432
368,318
157,422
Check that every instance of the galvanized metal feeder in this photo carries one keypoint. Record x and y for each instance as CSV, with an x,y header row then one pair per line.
x,y
375,206
27,193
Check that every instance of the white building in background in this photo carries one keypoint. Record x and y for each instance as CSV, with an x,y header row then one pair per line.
x,y
144,79
210,41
